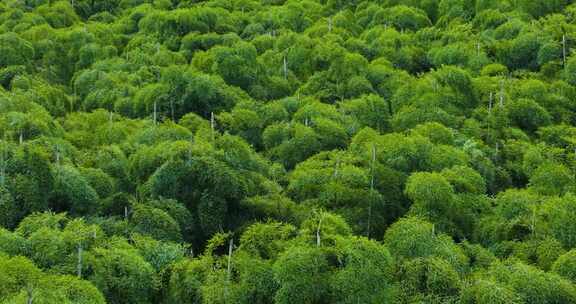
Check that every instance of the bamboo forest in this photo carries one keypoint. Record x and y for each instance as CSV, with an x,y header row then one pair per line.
x,y
287,151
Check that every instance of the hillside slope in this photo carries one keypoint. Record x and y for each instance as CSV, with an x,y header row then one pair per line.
x,y
270,151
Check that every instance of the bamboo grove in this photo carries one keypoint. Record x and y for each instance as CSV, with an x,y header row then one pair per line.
x,y
287,151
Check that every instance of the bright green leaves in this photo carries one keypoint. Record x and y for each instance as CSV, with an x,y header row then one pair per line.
x,y
198,93
431,263
266,240
122,275
552,179
406,18
487,291
22,282
367,275
341,183
237,65
533,285
559,213
428,279
565,265
186,281
235,151
291,143
156,223
274,264
302,274
429,189
412,237
14,50
369,110
60,14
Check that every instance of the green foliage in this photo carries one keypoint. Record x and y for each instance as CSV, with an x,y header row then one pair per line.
x,y
565,265
291,143
9,209
487,291
72,192
552,179
216,152
14,50
436,132
12,243
559,213
541,8
266,240
22,282
534,285
160,255
429,276
405,17
302,274
367,275
433,198
411,238
122,275
465,179
210,188
528,114
156,223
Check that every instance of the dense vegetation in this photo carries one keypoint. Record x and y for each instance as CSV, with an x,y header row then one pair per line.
x,y
271,151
